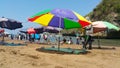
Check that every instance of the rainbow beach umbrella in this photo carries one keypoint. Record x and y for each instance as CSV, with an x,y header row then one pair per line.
x,y
61,18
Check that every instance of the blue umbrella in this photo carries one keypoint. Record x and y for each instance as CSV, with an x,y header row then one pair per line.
x,y
10,23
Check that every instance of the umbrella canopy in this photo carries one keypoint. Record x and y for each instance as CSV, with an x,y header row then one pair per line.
x,y
40,30
46,29
99,26
51,30
102,26
61,18
1,30
24,31
10,23
31,31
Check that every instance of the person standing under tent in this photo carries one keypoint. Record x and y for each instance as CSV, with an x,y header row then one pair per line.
x,y
77,41
77,38
70,41
45,37
88,40
37,38
82,39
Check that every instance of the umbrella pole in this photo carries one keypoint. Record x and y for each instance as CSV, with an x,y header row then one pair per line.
x,y
59,35
58,43
3,38
99,42
26,37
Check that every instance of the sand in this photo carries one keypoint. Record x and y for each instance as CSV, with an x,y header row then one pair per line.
x,y
29,57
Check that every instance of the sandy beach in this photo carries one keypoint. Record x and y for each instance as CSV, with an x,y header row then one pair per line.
x,y
41,24
29,57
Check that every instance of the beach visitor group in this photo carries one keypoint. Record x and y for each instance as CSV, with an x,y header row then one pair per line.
x,y
86,41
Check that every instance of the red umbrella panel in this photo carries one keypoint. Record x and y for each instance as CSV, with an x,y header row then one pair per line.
x,y
31,31
1,30
95,30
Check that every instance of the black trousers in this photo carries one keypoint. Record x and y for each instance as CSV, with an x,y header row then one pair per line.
x,y
87,43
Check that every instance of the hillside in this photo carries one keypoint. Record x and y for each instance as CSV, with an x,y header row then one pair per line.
x,y
107,10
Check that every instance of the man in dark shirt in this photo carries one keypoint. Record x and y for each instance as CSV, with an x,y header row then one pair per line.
x,y
88,40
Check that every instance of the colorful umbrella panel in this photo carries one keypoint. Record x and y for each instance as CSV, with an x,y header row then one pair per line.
x,y
61,18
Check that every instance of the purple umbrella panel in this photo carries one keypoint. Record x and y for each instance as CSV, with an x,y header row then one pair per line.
x,y
46,29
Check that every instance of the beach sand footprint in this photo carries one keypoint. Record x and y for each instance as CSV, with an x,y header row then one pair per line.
x,y
31,56
58,67
2,50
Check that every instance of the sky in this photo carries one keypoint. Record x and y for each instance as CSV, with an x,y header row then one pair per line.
x,y
21,10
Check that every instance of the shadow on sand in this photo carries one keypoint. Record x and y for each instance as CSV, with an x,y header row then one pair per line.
x,y
62,51
105,48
